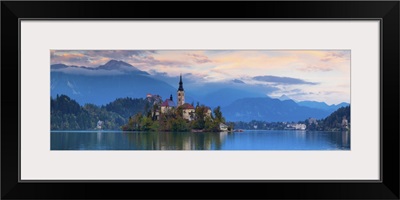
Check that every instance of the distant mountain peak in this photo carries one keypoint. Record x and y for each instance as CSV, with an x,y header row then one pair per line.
x,y
269,109
322,105
284,97
343,104
117,65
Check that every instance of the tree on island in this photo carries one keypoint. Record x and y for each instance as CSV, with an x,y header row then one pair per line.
x,y
173,120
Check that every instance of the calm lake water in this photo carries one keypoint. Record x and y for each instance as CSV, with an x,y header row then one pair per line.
x,y
247,140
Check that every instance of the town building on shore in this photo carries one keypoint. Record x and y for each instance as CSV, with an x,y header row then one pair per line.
x,y
298,126
223,127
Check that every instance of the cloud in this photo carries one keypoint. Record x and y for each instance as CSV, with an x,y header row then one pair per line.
x,y
283,80
300,94
68,58
222,72
336,55
199,58
237,81
149,60
157,73
314,68
332,92
295,91
194,77
188,78
144,60
322,70
117,54
94,58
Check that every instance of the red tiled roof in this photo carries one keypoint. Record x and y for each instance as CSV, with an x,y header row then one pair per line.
x,y
186,106
168,103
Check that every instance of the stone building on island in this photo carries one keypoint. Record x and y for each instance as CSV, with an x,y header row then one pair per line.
x,y
188,110
168,105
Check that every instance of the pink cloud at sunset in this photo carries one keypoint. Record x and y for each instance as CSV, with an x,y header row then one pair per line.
x,y
311,71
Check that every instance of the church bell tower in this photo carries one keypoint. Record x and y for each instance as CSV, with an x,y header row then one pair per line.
x,y
181,93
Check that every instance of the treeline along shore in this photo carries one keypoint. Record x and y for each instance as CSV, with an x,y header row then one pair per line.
x,y
138,114
130,114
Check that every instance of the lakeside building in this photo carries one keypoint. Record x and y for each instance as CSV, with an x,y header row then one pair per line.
x,y
155,98
345,123
296,126
312,121
223,127
99,125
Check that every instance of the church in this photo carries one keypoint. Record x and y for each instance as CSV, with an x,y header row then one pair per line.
x,y
187,109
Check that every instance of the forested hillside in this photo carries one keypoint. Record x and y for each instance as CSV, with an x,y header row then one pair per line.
x,y
334,122
67,114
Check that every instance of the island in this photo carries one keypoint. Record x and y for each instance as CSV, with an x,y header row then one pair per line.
x,y
181,117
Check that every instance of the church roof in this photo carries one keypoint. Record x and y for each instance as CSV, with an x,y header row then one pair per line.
x,y
186,106
168,103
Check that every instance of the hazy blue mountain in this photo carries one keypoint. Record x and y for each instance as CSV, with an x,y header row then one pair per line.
x,y
58,66
239,101
112,65
284,97
314,104
226,96
322,105
337,106
120,66
63,66
100,90
103,84
268,109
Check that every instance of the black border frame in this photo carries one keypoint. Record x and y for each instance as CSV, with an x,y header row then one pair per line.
x,y
386,11
195,180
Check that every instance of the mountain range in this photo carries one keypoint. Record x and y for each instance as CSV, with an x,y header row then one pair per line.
x,y
269,109
105,83
239,101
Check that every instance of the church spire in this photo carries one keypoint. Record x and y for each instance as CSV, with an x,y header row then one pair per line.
x,y
181,93
180,84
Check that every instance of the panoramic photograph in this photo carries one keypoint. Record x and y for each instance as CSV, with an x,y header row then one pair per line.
x,y
200,100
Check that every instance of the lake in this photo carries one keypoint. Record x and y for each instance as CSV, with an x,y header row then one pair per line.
x,y
247,140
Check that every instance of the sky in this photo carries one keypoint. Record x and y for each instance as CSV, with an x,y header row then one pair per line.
x,y
320,75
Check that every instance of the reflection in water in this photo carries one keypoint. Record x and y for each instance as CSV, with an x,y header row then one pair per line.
x,y
98,137
300,134
248,140
151,140
345,140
